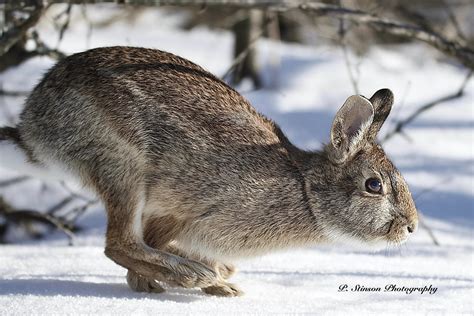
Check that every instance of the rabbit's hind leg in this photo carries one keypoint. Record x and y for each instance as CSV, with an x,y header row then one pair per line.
x,y
125,202
154,234
125,246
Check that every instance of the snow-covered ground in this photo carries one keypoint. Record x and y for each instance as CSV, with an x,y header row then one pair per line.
x,y
311,83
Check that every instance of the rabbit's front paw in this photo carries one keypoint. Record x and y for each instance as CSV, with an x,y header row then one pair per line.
x,y
190,273
223,289
140,283
225,270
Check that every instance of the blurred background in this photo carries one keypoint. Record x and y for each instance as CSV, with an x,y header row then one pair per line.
x,y
296,61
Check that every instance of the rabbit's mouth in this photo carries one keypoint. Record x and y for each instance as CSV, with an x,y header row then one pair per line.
x,y
396,232
388,227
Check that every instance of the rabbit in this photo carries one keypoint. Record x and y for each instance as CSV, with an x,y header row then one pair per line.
x,y
193,177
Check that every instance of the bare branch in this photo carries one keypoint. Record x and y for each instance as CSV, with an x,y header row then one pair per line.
x,y
13,215
63,27
15,34
401,124
421,220
9,182
240,58
454,21
13,93
342,42
44,50
242,55
415,17
423,224
57,207
18,54
454,48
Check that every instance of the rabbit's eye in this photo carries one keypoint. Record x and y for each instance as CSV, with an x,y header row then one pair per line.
x,y
373,185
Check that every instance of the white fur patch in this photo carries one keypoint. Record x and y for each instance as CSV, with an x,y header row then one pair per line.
x,y
338,237
138,217
193,244
14,158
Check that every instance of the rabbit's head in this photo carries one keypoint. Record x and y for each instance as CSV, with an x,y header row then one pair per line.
x,y
363,195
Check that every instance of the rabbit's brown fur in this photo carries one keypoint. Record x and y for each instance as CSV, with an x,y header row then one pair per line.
x,y
191,175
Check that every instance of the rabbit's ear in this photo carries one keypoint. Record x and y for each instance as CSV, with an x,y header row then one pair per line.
x,y
382,101
349,128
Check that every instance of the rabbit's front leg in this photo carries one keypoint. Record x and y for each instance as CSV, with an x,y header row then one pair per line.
x,y
224,271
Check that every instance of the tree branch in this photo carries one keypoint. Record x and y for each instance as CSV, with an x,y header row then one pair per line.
x,y
239,59
345,52
454,48
12,215
9,182
401,124
16,33
421,221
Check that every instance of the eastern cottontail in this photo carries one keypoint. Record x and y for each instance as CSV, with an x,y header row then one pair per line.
x,y
192,176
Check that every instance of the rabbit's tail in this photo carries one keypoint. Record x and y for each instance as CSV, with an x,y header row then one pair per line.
x,y
10,133
14,155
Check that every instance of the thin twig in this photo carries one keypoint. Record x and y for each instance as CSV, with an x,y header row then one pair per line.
x,y
90,25
454,21
57,207
423,224
421,221
13,93
445,180
398,129
16,33
242,55
44,218
75,194
342,42
415,17
79,211
401,104
12,215
453,48
65,25
273,30
44,50
13,181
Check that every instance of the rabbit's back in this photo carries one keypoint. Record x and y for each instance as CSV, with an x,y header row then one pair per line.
x,y
184,130
143,95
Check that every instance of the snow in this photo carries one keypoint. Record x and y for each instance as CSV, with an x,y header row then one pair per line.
x,y
48,276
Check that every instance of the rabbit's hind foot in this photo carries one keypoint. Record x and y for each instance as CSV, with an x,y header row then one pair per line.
x,y
223,289
139,283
